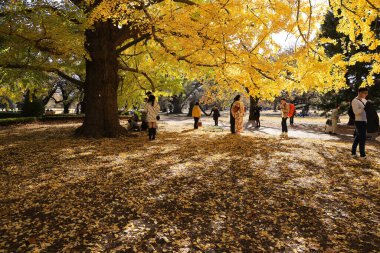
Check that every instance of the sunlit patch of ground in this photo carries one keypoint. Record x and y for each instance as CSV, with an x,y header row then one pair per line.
x,y
188,191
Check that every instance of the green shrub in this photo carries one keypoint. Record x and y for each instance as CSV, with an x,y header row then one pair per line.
x,y
33,108
14,121
5,115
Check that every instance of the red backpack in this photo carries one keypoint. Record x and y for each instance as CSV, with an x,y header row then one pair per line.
x,y
292,110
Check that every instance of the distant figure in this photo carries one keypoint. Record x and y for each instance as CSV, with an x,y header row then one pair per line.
x,y
152,108
292,113
238,111
358,107
196,113
232,119
215,115
144,122
335,119
256,115
284,107
133,125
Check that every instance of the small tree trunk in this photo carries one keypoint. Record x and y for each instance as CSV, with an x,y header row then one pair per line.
x,y
177,107
252,103
275,103
101,119
191,106
66,109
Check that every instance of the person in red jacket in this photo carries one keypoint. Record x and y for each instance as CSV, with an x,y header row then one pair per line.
x,y
292,113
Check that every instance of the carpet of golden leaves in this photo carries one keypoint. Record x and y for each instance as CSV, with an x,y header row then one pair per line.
x,y
188,191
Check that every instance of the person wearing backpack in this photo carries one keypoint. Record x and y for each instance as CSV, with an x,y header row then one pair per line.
x,y
358,107
284,107
292,113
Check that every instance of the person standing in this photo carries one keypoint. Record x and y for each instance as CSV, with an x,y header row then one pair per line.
x,y
335,119
238,111
285,108
215,115
232,119
256,115
152,108
358,107
292,113
196,113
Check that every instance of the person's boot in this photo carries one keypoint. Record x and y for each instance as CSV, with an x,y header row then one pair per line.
x,y
286,135
154,131
150,133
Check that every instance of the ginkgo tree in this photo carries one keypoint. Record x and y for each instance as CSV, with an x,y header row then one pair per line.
x,y
151,39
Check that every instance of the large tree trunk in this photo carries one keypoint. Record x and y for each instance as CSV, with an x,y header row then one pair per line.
x,y
101,118
252,103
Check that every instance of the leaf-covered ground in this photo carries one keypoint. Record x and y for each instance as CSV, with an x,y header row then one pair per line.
x,y
188,191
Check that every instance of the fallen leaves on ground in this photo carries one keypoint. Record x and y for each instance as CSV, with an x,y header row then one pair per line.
x,y
194,191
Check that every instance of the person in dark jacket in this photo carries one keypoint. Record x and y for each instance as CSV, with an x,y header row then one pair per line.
x,y
256,115
215,115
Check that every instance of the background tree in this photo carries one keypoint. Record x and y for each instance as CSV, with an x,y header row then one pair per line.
x,y
357,71
234,39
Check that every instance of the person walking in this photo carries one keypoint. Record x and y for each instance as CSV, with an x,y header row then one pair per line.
x,y
358,107
285,108
335,119
215,115
152,108
238,111
196,113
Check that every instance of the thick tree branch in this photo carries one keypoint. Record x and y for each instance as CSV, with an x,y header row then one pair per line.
x,y
132,43
372,5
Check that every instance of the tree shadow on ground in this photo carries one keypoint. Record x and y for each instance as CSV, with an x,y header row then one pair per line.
x,y
186,192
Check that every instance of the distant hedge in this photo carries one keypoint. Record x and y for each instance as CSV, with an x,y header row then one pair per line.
x,y
15,121
45,118
4,115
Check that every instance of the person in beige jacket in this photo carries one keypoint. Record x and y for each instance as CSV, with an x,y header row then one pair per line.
x,y
285,108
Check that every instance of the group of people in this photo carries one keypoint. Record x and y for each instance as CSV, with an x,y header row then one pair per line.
x,y
237,110
360,107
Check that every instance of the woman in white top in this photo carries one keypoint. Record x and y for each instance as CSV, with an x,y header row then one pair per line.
x,y
152,108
